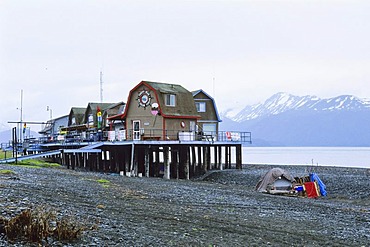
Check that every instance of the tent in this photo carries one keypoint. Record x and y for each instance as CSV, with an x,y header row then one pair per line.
x,y
275,181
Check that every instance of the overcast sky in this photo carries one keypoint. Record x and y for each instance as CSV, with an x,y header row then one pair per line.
x,y
240,52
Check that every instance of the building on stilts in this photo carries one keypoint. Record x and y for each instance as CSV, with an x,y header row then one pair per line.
x,y
163,130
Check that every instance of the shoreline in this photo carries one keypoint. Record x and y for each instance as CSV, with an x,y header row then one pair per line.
x,y
357,157
307,165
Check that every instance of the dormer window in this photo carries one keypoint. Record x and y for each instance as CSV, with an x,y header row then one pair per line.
x,y
73,121
201,106
170,100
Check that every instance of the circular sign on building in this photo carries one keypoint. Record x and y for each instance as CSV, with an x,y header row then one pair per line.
x,y
144,99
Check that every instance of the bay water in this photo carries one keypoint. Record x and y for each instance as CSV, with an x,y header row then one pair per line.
x,y
318,156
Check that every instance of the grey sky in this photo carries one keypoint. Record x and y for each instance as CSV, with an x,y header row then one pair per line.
x,y
54,50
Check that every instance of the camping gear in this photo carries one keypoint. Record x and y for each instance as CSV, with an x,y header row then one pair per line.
x,y
276,181
299,190
279,181
314,177
311,189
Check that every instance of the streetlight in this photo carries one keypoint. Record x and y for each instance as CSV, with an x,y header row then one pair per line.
x,y
51,122
50,110
21,117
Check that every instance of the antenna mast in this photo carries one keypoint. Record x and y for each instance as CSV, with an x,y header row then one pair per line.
x,y
101,86
21,122
213,82
214,91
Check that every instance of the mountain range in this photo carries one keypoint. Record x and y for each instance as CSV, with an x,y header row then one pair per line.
x,y
6,133
289,120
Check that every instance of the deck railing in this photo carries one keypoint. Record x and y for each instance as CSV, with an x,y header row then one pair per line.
x,y
141,135
168,135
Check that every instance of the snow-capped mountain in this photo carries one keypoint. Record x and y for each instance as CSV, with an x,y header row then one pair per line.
x,y
289,120
283,102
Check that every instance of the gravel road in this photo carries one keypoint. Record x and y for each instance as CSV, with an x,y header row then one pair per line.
x,y
219,209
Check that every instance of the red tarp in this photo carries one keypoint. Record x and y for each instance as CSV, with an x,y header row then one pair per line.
x,y
311,189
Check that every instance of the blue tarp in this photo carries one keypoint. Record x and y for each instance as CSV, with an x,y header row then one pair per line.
x,y
314,177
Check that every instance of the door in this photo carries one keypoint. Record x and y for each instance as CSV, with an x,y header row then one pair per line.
x,y
192,126
210,130
136,130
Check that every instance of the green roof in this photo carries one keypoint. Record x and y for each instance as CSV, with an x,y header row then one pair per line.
x,y
185,105
78,113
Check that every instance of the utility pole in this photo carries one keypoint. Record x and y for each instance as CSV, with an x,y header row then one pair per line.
x,y
14,144
21,119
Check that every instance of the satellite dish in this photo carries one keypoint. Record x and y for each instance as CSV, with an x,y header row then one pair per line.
x,y
155,109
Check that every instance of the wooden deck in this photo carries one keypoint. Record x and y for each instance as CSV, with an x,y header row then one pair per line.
x,y
166,159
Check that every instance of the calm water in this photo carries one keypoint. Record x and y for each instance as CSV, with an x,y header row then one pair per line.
x,y
324,156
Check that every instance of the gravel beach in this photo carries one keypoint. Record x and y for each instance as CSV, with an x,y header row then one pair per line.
x,y
218,209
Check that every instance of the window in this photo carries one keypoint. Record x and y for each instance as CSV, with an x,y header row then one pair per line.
x,y
170,99
209,129
90,120
201,106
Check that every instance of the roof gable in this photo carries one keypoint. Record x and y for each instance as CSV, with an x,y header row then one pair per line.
x,y
115,109
185,106
200,92
92,109
78,113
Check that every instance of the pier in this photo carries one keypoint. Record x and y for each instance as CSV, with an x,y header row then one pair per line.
x,y
154,158
166,159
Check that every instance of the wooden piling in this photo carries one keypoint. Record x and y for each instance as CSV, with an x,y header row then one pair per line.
x,y
157,163
238,153
166,154
146,161
200,160
226,157
179,160
193,161
187,163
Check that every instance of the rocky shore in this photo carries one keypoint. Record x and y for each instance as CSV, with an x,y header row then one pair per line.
x,y
219,209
